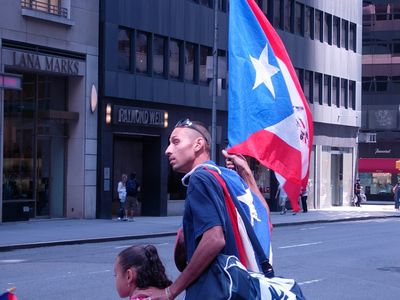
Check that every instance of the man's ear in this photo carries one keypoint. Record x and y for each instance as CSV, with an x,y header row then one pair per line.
x,y
199,143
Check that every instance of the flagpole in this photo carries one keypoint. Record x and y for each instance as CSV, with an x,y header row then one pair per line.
x,y
214,84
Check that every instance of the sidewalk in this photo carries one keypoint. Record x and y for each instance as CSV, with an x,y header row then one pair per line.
x,y
52,232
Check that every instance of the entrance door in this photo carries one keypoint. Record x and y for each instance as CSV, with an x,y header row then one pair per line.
x,y
128,158
337,179
50,177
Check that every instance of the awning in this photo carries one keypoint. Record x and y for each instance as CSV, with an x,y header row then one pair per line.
x,y
377,165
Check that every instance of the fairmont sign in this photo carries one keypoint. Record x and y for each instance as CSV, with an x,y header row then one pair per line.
x,y
43,63
127,115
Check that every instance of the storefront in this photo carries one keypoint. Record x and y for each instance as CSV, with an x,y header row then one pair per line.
x,y
42,126
377,170
134,137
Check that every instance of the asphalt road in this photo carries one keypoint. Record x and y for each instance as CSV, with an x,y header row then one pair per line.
x,y
351,260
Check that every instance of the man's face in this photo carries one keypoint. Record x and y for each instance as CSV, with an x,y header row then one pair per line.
x,y
181,150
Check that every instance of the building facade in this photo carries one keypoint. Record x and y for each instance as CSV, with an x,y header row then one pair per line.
x,y
379,134
49,126
153,72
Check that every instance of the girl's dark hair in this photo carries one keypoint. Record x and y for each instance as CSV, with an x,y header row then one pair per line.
x,y
149,268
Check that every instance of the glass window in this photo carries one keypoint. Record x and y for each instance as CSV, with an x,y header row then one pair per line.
x,y
288,15
124,49
308,24
277,14
204,52
318,25
335,91
222,66
381,47
190,59
299,73
344,37
299,19
353,40
352,94
208,3
142,47
367,84
381,83
396,48
382,12
35,145
158,55
174,56
335,31
308,86
264,6
327,90
328,28
396,11
222,5
343,93
317,88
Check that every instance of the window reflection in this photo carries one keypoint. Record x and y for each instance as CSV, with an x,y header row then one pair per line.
x,y
124,49
174,54
141,52
158,55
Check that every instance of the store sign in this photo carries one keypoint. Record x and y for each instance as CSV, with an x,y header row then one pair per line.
x,y
44,63
383,151
127,115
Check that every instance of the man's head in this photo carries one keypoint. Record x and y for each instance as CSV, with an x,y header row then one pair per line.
x,y
189,145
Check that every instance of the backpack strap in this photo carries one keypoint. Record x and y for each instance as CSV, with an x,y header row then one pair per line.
x,y
266,267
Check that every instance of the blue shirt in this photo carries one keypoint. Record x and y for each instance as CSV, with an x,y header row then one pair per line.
x,y
205,208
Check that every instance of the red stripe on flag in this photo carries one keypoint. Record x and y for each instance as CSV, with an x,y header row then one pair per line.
x,y
230,207
281,158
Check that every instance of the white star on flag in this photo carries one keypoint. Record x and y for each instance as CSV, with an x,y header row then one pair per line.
x,y
264,71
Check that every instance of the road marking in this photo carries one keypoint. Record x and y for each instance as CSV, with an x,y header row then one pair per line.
x,y
299,245
11,261
309,281
312,228
126,246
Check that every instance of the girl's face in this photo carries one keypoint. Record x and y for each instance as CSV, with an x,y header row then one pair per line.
x,y
125,282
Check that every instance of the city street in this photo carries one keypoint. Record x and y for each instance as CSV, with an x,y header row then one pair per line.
x,y
347,260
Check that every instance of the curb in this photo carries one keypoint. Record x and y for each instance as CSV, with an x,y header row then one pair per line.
x,y
12,247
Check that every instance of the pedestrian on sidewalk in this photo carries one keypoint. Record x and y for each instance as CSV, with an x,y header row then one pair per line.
x,y
396,192
282,196
206,226
304,196
121,189
139,267
132,203
357,192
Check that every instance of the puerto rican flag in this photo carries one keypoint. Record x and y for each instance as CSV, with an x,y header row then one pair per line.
x,y
268,115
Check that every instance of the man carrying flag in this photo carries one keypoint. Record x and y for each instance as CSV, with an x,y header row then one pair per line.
x,y
212,222
268,115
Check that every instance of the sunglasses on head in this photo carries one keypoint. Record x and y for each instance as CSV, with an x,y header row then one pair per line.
x,y
189,124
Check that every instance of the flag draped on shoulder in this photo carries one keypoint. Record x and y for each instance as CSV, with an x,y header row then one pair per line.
x,y
268,115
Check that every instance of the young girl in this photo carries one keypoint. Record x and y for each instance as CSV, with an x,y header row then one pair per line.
x,y
139,267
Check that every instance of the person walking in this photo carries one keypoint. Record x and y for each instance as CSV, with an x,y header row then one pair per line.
x,y
121,189
304,196
206,232
396,195
132,203
357,192
282,196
